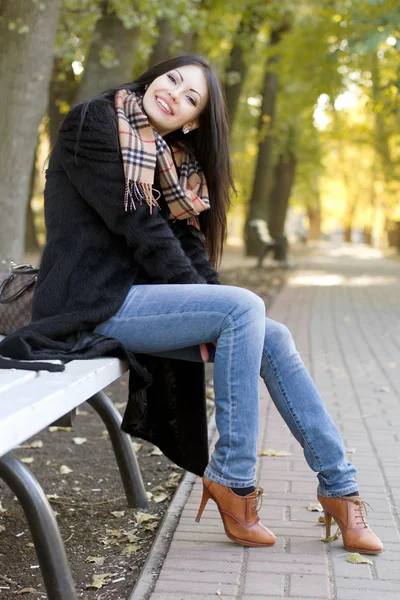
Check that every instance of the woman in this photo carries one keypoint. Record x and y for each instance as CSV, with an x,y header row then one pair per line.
x,y
136,198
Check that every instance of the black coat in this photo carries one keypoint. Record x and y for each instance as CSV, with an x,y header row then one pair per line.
x,y
94,253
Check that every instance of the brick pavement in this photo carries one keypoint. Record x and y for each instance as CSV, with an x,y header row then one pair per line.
x,y
342,306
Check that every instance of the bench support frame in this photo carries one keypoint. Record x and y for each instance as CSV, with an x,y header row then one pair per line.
x,y
46,536
122,446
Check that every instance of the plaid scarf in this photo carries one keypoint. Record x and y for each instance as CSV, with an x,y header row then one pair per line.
x,y
142,148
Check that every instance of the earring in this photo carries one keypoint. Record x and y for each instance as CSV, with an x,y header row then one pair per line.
x,y
186,130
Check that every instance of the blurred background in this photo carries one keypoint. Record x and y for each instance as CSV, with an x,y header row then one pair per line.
x,y
312,90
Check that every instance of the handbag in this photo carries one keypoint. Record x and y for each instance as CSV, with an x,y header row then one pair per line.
x,y
17,283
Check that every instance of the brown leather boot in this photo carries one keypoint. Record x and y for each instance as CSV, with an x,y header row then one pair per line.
x,y
238,513
349,514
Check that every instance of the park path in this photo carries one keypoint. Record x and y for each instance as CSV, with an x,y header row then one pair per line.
x,y
342,305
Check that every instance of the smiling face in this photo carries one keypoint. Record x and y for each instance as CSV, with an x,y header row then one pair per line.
x,y
175,100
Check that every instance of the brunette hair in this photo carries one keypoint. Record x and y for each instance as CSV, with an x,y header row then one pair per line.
x,y
209,142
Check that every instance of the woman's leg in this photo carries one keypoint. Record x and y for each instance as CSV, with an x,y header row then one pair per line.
x,y
300,405
163,318
298,401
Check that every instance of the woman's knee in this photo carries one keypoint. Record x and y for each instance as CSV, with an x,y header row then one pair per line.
x,y
246,301
278,337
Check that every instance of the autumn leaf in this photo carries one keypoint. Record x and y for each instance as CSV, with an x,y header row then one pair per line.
x,y
64,470
34,444
156,452
97,560
117,513
357,559
315,507
332,538
54,428
27,460
79,441
130,549
160,498
142,517
136,446
271,452
99,580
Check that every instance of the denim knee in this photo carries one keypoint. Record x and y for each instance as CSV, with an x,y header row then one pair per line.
x,y
249,304
278,340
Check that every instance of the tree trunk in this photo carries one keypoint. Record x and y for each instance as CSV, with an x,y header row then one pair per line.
x,y
111,56
285,171
161,49
264,170
237,67
27,33
31,242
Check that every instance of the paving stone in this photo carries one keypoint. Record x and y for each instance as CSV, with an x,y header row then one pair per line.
x,y
264,583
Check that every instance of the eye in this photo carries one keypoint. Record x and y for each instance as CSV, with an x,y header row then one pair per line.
x,y
192,100
172,78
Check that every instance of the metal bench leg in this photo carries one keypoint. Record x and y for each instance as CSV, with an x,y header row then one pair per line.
x,y
43,525
122,445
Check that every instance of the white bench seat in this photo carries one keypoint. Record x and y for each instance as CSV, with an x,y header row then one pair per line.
x,y
32,400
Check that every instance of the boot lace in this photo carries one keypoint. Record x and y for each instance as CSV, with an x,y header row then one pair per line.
x,y
362,509
258,498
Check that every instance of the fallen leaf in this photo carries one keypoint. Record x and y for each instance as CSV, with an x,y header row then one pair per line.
x,y
52,497
99,580
117,513
142,517
149,495
315,507
2,528
120,404
136,446
2,510
79,441
156,452
97,560
151,526
29,545
350,450
332,538
115,532
160,498
384,388
64,470
28,460
26,591
130,549
321,519
34,444
54,428
356,558
271,452
219,594
131,536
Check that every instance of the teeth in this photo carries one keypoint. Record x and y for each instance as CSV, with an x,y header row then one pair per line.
x,y
163,104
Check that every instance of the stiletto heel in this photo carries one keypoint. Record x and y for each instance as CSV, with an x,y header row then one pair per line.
x,y
205,498
239,514
328,523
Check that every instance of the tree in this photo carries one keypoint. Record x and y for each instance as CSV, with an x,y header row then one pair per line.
x,y
27,37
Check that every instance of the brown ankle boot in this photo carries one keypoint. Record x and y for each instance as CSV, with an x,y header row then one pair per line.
x,y
238,513
349,514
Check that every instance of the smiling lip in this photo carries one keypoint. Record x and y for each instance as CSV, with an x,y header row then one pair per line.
x,y
162,108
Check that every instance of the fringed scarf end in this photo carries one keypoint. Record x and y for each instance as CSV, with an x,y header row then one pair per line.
x,y
139,192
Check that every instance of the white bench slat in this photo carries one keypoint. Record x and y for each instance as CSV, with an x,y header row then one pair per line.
x,y
11,378
30,407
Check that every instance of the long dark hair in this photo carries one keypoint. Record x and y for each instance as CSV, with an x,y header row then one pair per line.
x,y
209,142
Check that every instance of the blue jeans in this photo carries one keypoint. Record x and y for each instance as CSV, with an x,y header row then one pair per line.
x,y
172,320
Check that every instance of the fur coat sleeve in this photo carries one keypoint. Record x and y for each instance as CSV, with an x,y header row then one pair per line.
x,y
94,166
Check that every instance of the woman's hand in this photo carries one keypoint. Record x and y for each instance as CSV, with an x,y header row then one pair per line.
x,y
204,352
